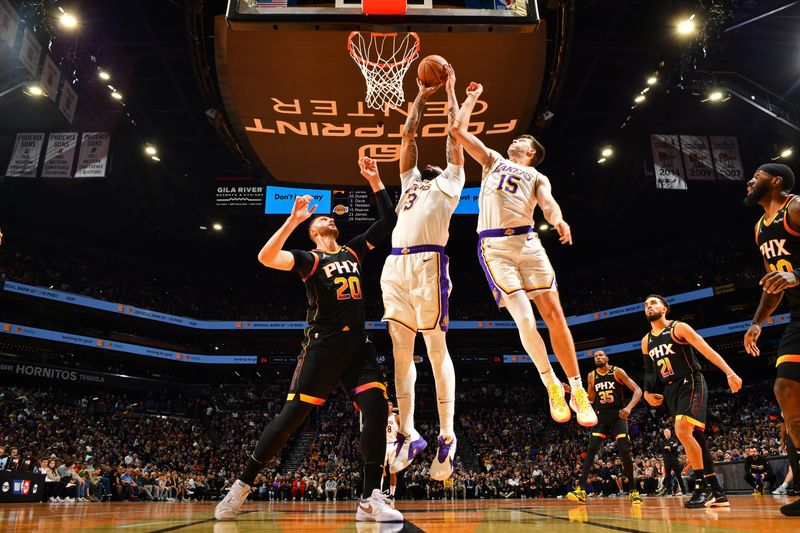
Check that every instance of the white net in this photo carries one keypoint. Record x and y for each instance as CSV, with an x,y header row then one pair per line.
x,y
383,59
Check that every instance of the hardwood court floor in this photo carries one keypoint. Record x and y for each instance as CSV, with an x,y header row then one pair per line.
x,y
747,513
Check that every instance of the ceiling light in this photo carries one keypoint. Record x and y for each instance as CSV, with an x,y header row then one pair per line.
x,y
787,153
687,26
544,227
217,226
715,96
639,98
103,75
150,150
601,160
116,96
652,80
203,227
68,21
607,152
155,158
33,90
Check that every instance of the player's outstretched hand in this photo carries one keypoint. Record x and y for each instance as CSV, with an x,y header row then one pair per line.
x,y
450,84
564,232
734,382
301,211
750,339
653,399
474,89
369,169
775,282
426,92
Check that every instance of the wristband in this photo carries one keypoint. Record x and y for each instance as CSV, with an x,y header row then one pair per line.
x,y
756,324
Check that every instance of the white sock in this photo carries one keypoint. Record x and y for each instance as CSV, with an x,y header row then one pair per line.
x,y
548,377
445,378
575,383
405,374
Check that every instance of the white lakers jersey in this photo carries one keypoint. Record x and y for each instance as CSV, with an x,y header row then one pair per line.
x,y
425,207
391,429
508,195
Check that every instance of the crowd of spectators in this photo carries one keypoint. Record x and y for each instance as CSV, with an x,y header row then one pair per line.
x,y
101,447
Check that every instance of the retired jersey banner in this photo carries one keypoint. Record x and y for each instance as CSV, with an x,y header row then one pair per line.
x,y
51,77
727,159
60,155
668,162
9,23
93,158
697,158
30,52
68,102
25,157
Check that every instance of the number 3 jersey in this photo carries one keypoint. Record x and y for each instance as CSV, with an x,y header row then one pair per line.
x,y
780,247
508,195
669,357
333,285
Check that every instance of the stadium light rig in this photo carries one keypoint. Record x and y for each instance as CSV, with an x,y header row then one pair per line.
x,y
103,75
786,153
67,20
149,149
716,96
639,99
607,152
652,80
33,90
217,227
686,26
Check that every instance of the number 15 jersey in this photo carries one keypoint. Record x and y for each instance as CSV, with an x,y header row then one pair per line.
x,y
508,195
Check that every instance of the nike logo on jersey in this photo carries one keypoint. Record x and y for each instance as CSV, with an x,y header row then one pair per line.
x,y
426,260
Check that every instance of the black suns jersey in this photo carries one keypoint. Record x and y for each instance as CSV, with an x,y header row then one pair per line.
x,y
780,247
333,285
608,392
668,357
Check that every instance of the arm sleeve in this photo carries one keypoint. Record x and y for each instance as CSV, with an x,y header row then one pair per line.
x,y
451,181
304,262
380,229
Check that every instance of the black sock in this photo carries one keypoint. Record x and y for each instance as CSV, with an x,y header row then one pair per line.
x,y
699,479
588,461
251,470
372,403
712,480
372,478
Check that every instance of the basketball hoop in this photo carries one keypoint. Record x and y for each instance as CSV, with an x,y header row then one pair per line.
x,y
384,59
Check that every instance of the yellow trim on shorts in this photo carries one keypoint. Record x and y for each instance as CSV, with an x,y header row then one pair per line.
x,y
399,322
622,436
789,358
598,435
691,420
305,398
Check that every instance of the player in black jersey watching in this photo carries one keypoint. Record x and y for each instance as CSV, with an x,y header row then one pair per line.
x,y
612,414
777,235
669,358
335,350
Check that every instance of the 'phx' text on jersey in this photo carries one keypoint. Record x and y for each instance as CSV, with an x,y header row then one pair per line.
x,y
671,358
608,392
780,247
333,285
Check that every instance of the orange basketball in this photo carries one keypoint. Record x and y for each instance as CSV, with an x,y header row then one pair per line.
x,y
431,70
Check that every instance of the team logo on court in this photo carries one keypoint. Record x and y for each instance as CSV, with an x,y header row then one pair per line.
x,y
340,209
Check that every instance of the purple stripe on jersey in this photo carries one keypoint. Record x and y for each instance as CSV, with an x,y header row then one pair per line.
x,y
422,248
492,285
444,291
504,232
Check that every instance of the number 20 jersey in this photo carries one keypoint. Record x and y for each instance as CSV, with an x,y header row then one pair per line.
x,y
508,195
780,247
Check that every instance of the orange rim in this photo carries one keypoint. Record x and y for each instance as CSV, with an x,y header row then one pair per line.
x,y
360,59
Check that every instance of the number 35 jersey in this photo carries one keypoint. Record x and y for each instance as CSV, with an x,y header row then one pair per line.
x,y
609,394
333,285
508,195
669,357
780,247
425,207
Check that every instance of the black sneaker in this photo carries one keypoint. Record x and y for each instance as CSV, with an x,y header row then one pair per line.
x,y
717,499
699,498
792,509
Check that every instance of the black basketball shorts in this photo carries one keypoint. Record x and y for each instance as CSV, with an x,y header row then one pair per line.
x,y
610,425
687,398
788,364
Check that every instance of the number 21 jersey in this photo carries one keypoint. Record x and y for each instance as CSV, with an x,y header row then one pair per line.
x,y
508,195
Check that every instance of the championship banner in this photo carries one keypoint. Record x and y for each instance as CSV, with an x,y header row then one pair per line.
x,y
697,158
9,23
93,158
727,159
25,157
60,155
668,162
30,52
68,102
51,77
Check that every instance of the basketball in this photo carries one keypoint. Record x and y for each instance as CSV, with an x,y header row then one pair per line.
x,y
431,70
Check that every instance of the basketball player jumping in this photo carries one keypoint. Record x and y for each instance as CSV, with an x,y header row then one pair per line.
x,y
777,236
669,357
416,284
513,259
612,413
336,349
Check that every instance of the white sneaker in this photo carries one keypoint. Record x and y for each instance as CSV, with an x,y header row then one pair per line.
x,y
779,490
229,507
377,508
442,465
408,447
579,402
52,500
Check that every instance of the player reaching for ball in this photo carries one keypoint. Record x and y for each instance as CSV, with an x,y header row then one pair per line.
x,y
513,259
416,283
